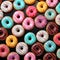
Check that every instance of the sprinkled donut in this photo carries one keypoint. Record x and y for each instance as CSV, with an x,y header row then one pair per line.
x,y
6,6
21,48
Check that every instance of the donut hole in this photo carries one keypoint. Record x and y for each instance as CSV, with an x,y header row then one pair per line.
x,y
51,0
29,38
37,48
49,45
1,32
51,26
18,16
41,6
13,58
28,23
7,22
31,11
49,13
50,58
40,21
11,40
18,3
29,58
2,50
58,38
42,35
21,48
6,6
18,30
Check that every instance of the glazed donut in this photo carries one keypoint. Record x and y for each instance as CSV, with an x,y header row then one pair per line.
x,y
28,23
11,41
50,14
56,39
6,6
18,30
29,56
3,33
37,49
1,14
41,6
19,4
13,56
49,56
40,21
50,46
29,1
31,11
21,48
42,36
52,28
4,50
58,53
30,38
7,22
57,19
51,3
18,17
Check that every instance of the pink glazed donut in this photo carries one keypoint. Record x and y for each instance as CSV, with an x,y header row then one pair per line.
x,y
51,3
4,50
28,23
18,17
13,56
40,21
30,56
31,11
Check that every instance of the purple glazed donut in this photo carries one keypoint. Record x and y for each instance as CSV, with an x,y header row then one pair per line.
x,y
13,56
31,11
28,23
40,21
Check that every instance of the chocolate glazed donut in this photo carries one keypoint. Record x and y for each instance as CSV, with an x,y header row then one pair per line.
x,y
37,49
49,56
52,28
3,33
0,1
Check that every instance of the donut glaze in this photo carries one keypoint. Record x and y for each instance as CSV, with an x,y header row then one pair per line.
x,y
37,49
52,28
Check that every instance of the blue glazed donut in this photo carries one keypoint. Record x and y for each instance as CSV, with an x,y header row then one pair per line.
x,y
30,38
50,46
19,4
7,22
58,8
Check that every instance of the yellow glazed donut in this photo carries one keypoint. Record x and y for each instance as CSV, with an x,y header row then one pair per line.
x,y
11,41
29,1
41,6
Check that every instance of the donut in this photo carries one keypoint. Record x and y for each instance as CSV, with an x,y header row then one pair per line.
x,y
57,19
21,48
4,50
49,46
7,22
11,41
37,49
29,1
29,56
51,3
50,14
31,11
18,30
40,21
13,56
58,53
41,6
28,23
6,6
18,16
58,8
1,14
52,28
49,56
42,36
0,1
56,39
3,33
19,4
30,38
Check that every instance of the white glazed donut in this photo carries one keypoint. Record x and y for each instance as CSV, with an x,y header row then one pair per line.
x,y
57,19
6,6
18,30
42,36
21,48
1,14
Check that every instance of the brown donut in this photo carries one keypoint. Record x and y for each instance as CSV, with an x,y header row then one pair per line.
x,y
52,28
0,1
37,49
10,0
49,56
3,33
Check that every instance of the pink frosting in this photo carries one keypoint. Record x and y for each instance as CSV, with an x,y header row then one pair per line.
x,y
40,21
28,23
51,3
31,11
18,16
29,55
